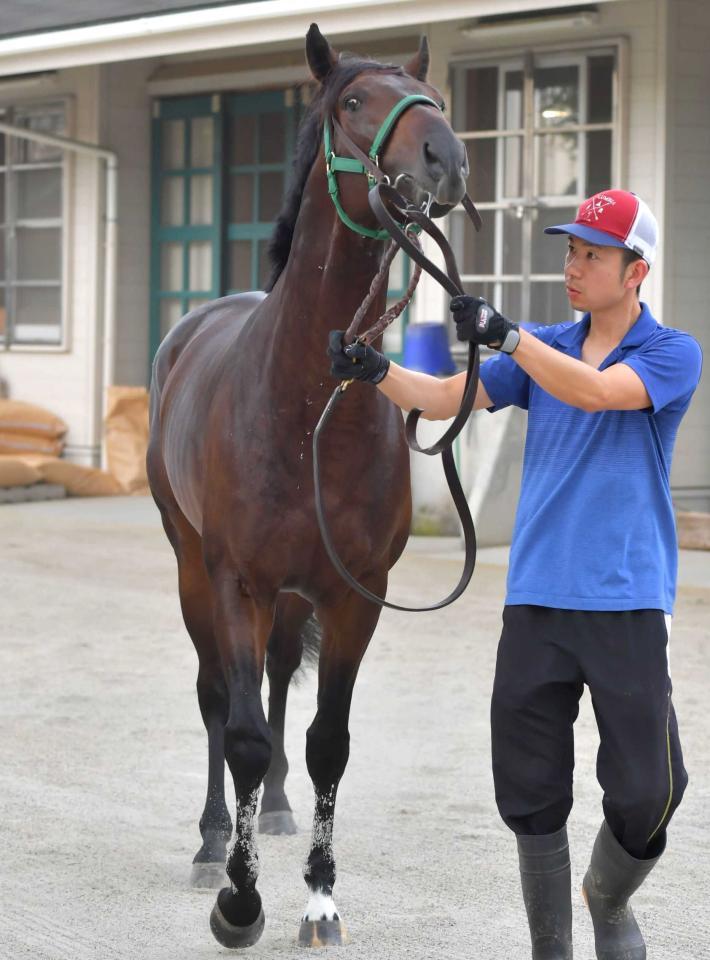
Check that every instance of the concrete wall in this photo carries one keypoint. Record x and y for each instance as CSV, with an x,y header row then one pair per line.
x,y
687,287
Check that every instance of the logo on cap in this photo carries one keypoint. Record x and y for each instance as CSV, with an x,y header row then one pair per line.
x,y
595,206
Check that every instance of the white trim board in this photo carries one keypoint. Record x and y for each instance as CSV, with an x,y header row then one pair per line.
x,y
239,25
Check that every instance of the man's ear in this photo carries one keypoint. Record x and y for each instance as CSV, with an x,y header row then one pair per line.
x,y
637,273
418,66
320,55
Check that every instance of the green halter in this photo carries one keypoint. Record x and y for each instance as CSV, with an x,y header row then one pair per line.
x,y
334,164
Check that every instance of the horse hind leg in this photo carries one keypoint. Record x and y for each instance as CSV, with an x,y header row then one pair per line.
x,y
208,866
347,629
283,657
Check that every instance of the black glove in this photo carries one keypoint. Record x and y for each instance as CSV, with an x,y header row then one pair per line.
x,y
477,321
356,362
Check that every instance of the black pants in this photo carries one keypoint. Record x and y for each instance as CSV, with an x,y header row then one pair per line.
x,y
544,659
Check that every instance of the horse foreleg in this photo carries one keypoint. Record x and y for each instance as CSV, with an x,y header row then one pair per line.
x,y
241,628
347,629
283,657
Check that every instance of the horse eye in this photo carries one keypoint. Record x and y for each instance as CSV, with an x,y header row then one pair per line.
x,y
442,105
352,104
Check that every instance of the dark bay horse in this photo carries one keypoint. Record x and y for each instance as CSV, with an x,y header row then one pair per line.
x,y
238,386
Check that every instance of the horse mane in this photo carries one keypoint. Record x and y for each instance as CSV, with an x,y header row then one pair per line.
x,y
308,142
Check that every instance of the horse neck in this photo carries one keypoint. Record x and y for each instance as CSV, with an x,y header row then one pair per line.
x,y
329,271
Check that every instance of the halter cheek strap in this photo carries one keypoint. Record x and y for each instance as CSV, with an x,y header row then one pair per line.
x,y
368,165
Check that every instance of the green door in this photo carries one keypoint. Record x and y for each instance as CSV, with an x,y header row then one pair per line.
x,y
220,169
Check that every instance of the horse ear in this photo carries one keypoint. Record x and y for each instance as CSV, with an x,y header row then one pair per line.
x,y
418,66
320,55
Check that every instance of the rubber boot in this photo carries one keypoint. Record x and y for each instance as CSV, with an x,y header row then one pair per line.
x,y
613,876
545,877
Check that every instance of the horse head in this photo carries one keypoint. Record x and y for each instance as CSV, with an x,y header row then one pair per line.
x,y
421,154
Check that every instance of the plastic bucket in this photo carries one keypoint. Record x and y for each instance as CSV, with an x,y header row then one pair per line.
x,y
426,348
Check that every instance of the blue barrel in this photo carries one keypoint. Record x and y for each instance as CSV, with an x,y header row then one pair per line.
x,y
426,348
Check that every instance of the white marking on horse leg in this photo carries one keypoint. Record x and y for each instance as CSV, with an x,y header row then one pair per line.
x,y
320,907
245,839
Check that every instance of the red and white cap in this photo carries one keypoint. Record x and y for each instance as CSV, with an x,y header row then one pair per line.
x,y
615,218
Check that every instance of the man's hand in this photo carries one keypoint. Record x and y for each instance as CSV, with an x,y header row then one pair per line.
x,y
479,322
355,362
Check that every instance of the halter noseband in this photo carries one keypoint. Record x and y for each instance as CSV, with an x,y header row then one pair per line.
x,y
369,165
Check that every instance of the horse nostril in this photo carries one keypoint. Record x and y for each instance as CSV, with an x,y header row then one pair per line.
x,y
431,158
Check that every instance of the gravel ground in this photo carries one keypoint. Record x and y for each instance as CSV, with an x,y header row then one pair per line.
x,y
103,761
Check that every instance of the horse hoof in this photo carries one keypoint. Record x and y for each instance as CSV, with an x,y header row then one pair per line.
x,y
234,937
208,876
322,933
277,823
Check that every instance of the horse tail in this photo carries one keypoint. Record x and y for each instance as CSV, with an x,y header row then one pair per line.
x,y
311,636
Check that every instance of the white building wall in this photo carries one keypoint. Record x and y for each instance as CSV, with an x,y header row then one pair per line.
x,y
126,129
687,288
65,380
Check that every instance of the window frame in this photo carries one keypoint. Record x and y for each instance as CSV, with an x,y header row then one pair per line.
x,y
8,341
529,57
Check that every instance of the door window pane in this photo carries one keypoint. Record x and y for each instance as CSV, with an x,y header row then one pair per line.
x,y
172,202
481,184
2,254
481,108
512,242
600,87
513,100
3,313
264,263
241,198
556,95
475,252
549,303
38,314
201,142
170,313
242,139
173,145
200,259
171,266
239,265
557,164
598,161
271,188
38,253
2,149
548,251
2,198
201,199
272,138
512,167
39,194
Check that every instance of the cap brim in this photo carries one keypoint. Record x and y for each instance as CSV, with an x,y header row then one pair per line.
x,y
587,233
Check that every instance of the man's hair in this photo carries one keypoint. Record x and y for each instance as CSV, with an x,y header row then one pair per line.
x,y
627,258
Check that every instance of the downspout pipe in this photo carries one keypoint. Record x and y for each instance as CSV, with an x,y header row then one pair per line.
x,y
108,365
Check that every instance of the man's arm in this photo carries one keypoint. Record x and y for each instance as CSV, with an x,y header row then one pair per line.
x,y
577,383
439,399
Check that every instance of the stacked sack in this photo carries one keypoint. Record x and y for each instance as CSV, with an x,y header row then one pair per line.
x,y
31,441
28,429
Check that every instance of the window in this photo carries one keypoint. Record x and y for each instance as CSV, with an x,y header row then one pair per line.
x,y
541,134
31,228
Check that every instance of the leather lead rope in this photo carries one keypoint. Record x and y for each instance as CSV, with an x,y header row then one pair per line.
x,y
381,195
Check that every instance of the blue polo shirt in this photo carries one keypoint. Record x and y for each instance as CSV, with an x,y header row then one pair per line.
x,y
595,528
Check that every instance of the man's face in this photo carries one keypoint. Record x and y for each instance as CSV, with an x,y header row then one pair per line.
x,y
594,275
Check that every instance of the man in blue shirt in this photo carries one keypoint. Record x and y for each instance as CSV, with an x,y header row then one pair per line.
x,y
593,561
